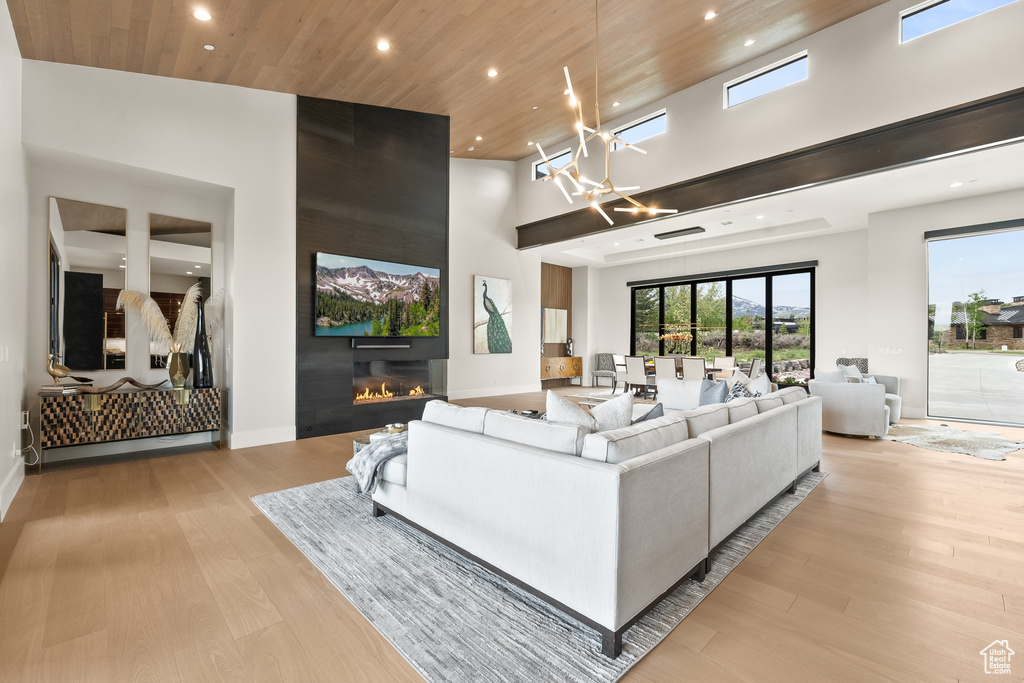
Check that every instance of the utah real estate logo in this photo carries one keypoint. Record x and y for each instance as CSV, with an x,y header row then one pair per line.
x,y
997,657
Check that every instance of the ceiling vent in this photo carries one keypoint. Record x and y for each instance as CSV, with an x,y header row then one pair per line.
x,y
679,233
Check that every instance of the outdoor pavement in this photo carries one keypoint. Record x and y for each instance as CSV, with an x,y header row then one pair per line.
x,y
976,385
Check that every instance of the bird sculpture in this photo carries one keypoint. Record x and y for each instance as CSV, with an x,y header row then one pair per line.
x,y
498,340
59,372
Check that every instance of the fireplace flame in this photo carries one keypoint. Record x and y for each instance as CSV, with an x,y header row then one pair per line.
x,y
418,391
368,395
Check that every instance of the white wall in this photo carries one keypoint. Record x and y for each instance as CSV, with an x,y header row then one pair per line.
x,y
237,138
481,238
859,78
13,264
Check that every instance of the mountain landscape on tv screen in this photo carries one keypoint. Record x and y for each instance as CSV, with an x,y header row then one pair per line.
x,y
360,301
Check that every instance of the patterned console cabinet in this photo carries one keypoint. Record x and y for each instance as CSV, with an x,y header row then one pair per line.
x,y
77,419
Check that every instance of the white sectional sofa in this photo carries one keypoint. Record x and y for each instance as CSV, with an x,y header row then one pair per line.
x,y
602,525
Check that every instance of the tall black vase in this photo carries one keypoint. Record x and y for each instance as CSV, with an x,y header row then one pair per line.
x,y
202,365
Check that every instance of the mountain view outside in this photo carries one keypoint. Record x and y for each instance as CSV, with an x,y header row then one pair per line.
x,y
976,327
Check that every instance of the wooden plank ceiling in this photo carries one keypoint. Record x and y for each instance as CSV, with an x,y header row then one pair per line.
x,y
441,51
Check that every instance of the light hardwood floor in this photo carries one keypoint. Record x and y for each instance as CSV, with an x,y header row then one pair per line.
x,y
901,565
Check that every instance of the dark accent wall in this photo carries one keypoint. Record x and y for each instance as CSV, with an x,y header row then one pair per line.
x,y
991,120
371,182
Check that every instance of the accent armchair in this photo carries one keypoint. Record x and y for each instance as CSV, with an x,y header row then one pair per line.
x,y
856,408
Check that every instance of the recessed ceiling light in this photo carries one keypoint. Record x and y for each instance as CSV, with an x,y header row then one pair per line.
x,y
207,47
471,148
760,217
615,104
383,45
478,138
198,267
535,107
188,272
123,258
202,15
956,184
491,73
615,244
750,41
710,15
122,266
565,92
451,151
530,143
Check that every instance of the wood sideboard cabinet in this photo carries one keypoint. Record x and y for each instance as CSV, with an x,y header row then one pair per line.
x,y
77,419
563,367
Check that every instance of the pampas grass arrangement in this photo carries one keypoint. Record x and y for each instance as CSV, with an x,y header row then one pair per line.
x,y
183,337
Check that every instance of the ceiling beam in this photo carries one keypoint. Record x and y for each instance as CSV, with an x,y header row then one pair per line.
x,y
993,120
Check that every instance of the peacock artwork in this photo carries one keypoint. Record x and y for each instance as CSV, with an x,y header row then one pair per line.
x,y
492,315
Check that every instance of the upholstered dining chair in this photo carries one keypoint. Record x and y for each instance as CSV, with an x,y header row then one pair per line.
x,y
604,368
755,368
620,372
665,368
637,377
694,368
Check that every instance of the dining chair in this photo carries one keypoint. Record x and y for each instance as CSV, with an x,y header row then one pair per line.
x,y
755,368
694,368
727,364
620,372
665,368
637,377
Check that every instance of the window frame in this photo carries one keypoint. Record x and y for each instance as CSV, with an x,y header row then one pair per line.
x,y
792,59
1018,332
927,5
551,157
661,113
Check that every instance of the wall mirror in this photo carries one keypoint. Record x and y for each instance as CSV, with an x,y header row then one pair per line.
x,y
555,325
87,270
180,254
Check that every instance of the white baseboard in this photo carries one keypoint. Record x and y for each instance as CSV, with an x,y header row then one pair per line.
x,y
493,391
261,437
10,487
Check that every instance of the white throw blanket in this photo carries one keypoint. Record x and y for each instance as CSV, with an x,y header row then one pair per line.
x,y
368,462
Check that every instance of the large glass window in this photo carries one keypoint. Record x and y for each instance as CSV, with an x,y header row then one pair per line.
x,y
749,312
710,327
646,316
975,313
766,316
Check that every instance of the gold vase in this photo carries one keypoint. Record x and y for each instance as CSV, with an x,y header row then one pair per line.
x,y
178,369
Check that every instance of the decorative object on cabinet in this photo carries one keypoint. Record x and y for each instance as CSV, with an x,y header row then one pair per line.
x,y
201,361
492,315
561,367
118,384
179,342
59,372
78,419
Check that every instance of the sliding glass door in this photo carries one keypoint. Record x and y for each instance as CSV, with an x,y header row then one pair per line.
x,y
976,327
767,316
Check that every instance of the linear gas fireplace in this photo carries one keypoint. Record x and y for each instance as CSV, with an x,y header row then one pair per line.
x,y
379,381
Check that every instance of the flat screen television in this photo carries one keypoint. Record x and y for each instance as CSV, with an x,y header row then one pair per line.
x,y
358,297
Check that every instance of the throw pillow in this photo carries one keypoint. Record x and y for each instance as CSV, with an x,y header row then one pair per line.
x,y
760,386
655,412
679,394
868,379
849,371
835,376
739,390
712,392
613,414
565,411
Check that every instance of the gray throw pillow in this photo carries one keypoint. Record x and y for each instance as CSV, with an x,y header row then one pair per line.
x,y
655,412
712,392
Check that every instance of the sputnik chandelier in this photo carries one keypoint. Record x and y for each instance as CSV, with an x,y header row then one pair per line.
x,y
592,192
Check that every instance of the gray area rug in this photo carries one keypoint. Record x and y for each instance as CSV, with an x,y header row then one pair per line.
x,y
454,621
986,445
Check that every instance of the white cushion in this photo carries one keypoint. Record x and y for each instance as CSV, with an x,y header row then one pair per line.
x,y
741,409
833,376
552,436
394,470
679,394
457,417
766,403
849,371
613,414
619,445
564,411
707,417
868,379
760,386
791,394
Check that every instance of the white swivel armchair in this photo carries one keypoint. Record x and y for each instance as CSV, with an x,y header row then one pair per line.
x,y
857,409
